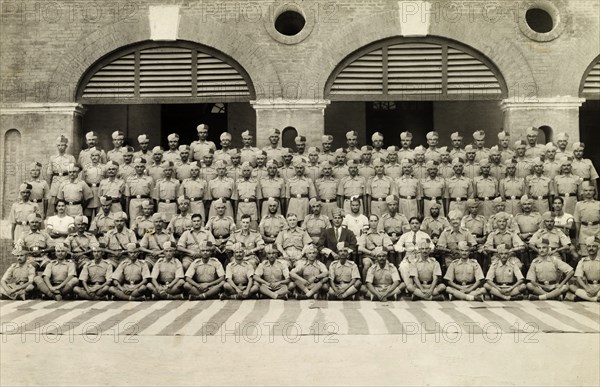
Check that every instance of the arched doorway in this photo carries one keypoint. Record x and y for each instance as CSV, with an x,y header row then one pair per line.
x,y
417,84
589,112
163,87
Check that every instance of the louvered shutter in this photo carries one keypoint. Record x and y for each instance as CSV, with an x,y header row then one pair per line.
x,y
591,85
467,74
414,68
216,77
115,80
363,76
165,72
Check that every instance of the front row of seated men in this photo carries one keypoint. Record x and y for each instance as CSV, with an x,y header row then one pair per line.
x,y
548,276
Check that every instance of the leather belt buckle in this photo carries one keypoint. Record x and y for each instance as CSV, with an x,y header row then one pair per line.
x,y
458,199
463,283
298,196
138,196
71,203
513,197
546,282
595,282
540,198
167,201
567,195
409,197
35,248
131,283
246,200
486,198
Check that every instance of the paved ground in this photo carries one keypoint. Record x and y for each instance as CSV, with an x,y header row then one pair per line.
x,y
299,343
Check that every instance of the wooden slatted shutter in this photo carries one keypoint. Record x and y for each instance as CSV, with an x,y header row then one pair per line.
x,y
591,84
414,68
165,72
216,77
467,74
363,76
114,80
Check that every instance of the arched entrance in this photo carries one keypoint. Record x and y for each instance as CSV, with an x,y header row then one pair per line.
x,y
589,112
163,87
417,84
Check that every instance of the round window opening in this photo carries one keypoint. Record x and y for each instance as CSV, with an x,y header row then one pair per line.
x,y
539,20
289,23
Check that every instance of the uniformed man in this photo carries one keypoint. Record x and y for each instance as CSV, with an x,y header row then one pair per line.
x,y
548,277
419,168
92,174
273,150
298,190
523,165
104,220
327,154
445,169
58,169
287,170
504,279
142,223
246,194
117,239
144,153
126,170
434,223
81,242
563,221
502,235
156,168
224,153
365,167
567,185
138,189
481,152
352,185
340,169
75,192
344,277
239,281
433,188
234,169
587,273
130,278
201,146
497,166
172,154
291,242
190,241
59,276
432,152
458,188
539,187
315,222
486,189
17,281
113,187
310,276
272,222
167,277
465,277
205,277
84,158
529,222
425,275
196,190
392,168
378,149
559,243
408,189
271,186
583,168
300,148
272,276
408,248
551,163
116,154
474,222
251,239
154,239
313,169
326,188
511,188
352,151
20,211
504,146
533,149
471,168
393,223
457,151
248,152
166,191
369,241
562,141
259,170
448,243
221,226
587,216
406,152
40,190
183,169
36,242
379,187
499,206
382,279
95,277
221,188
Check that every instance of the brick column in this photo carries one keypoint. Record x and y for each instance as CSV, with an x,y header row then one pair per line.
x,y
307,116
560,113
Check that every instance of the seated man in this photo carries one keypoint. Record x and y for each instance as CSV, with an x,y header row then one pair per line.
x,y
382,279
545,273
191,239
167,275
238,275
117,239
504,279
587,274
251,239
17,281
95,277
370,240
205,276
36,242
464,276
59,277
502,235
272,276
344,278
310,275
332,237
426,275
81,242
130,277
292,240
154,239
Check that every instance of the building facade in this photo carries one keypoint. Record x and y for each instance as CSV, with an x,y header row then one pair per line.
x,y
306,67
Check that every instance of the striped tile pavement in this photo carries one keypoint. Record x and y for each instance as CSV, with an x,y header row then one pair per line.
x,y
292,318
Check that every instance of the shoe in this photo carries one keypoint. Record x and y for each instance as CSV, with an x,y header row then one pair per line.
x,y
450,297
480,298
439,297
533,297
222,297
516,298
413,297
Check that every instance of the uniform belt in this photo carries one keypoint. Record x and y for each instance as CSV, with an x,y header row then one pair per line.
x,y
590,223
407,197
467,283
18,222
505,283
60,174
271,235
350,197
486,198
328,200
426,282
166,200
514,197
97,283
432,197
140,196
73,203
549,282
594,282
543,197
222,236
299,196
587,179
21,282
567,194
459,199
378,199
94,185
36,200
115,199
248,200
195,199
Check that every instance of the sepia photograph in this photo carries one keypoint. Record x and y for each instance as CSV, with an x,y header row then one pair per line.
x,y
299,193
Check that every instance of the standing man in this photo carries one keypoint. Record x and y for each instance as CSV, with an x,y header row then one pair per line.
x,y
587,216
539,187
326,188
408,190
58,169
138,188
144,153
379,187
166,190
40,190
20,211
84,158
201,146
533,148
246,194
353,185
117,153
75,192
298,191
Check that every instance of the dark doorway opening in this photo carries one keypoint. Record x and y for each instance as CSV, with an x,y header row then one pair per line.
x,y
589,130
393,117
184,118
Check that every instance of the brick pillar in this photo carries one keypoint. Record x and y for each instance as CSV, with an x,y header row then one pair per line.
x,y
561,114
306,116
